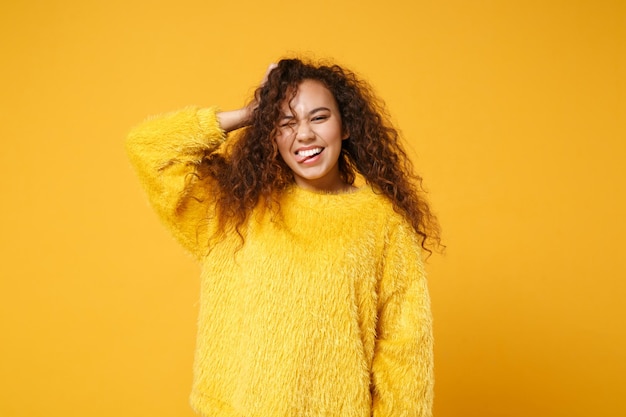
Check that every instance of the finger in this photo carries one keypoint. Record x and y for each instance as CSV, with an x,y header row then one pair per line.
x,y
270,68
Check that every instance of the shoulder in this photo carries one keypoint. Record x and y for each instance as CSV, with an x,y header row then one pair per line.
x,y
393,220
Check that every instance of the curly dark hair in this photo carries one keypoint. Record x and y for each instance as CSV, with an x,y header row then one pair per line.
x,y
252,169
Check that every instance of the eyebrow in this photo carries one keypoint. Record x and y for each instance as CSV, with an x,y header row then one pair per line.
x,y
315,110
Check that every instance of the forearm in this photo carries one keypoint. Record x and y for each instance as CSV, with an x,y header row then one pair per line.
x,y
234,119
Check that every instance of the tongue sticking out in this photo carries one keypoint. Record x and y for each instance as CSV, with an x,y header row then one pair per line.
x,y
314,155
304,156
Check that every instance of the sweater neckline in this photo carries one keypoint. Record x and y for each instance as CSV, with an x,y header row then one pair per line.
x,y
317,199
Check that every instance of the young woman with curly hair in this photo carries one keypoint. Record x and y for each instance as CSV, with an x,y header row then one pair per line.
x,y
310,226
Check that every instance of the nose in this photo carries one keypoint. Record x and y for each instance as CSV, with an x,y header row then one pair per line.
x,y
304,132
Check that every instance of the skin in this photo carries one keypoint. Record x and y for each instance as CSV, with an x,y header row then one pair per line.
x,y
309,123
310,136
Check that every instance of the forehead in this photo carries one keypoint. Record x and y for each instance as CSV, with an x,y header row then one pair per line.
x,y
311,94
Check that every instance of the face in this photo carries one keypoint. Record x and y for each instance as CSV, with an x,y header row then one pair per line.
x,y
309,138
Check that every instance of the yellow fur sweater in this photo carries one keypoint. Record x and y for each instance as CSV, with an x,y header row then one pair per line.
x,y
323,312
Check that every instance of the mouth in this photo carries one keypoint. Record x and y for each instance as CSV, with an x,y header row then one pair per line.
x,y
305,155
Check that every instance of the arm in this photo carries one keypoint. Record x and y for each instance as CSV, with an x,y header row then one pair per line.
x,y
402,369
234,119
166,151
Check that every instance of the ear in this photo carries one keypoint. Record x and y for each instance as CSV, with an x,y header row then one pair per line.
x,y
345,135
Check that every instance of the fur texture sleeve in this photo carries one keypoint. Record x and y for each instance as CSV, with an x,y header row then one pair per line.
x,y
402,369
166,151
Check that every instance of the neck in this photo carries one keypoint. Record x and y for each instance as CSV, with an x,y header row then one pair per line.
x,y
334,188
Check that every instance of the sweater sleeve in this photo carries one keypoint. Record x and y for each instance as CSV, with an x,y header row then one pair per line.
x,y
402,368
166,151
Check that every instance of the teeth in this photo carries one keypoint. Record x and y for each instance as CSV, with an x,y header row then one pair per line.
x,y
309,152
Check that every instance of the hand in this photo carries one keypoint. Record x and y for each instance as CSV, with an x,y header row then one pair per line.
x,y
270,68
254,103
235,119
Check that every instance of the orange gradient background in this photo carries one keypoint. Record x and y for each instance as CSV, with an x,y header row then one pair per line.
x,y
513,112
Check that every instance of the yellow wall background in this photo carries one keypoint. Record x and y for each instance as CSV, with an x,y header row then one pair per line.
x,y
515,115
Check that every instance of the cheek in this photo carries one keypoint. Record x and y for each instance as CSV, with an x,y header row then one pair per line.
x,y
283,143
331,133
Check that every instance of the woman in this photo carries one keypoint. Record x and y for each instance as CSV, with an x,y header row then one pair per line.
x,y
309,228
